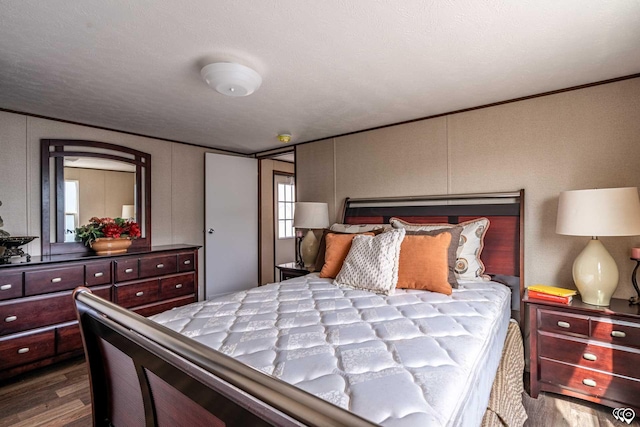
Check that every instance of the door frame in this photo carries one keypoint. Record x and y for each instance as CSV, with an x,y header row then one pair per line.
x,y
275,213
260,213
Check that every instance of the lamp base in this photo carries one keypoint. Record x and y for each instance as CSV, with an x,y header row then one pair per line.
x,y
309,249
595,274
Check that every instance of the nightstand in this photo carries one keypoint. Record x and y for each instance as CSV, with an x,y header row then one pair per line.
x,y
585,351
290,270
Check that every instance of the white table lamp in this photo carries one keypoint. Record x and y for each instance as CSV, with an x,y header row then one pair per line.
x,y
310,215
601,212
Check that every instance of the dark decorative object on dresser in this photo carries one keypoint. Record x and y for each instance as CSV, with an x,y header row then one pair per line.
x,y
37,315
585,351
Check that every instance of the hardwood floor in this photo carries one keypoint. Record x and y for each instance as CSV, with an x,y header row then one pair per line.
x,y
54,396
59,396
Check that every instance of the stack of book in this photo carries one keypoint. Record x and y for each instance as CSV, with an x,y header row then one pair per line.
x,y
551,293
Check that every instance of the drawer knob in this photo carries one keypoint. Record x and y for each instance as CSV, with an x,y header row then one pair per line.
x,y
23,350
5,287
589,356
56,280
589,382
139,294
179,285
129,270
565,325
160,266
187,262
11,319
98,274
618,334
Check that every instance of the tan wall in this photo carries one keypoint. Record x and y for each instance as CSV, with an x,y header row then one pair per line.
x,y
586,138
177,179
267,263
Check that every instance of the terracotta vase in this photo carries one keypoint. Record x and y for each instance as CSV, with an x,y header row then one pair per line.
x,y
111,246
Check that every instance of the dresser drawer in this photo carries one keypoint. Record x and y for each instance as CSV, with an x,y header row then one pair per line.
x,y
25,348
186,262
68,338
594,383
158,266
590,355
35,312
58,279
175,286
134,294
126,269
564,323
616,332
10,285
151,309
98,273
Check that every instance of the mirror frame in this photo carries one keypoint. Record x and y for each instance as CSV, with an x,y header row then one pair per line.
x,y
55,148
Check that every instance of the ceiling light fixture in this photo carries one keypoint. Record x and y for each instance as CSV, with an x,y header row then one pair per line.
x,y
231,79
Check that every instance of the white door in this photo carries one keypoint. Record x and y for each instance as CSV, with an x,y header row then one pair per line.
x,y
231,224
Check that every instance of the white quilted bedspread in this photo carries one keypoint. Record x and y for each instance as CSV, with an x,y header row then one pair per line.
x,y
414,358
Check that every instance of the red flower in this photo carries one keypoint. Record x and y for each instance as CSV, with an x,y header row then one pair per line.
x,y
112,230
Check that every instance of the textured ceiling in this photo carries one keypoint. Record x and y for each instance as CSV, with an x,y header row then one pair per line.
x,y
328,67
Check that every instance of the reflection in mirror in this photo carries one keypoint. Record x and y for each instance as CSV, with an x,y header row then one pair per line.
x,y
86,179
96,188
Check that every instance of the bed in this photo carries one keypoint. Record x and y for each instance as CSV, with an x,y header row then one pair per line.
x,y
308,352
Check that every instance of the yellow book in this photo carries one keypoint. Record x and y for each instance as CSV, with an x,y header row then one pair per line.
x,y
553,290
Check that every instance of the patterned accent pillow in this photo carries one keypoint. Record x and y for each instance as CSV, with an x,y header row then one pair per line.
x,y
469,266
372,262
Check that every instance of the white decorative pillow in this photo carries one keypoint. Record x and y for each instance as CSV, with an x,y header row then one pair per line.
x,y
358,228
372,262
469,266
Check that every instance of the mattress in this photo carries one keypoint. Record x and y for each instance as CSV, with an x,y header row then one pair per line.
x,y
414,358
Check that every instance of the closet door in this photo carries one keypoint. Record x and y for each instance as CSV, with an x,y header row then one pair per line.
x,y
231,224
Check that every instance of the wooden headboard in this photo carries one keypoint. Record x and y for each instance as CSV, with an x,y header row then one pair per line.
x,y
503,251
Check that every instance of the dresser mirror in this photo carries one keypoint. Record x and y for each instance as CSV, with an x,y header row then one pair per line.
x,y
85,179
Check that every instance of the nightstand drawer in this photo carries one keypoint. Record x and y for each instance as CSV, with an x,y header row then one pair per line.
x,y
135,294
589,382
590,355
15,351
563,323
10,285
59,279
616,332
158,266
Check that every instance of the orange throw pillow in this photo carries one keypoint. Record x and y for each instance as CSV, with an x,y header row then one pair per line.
x,y
424,263
337,248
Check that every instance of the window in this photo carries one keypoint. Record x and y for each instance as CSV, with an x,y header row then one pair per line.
x,y
71,211
286,200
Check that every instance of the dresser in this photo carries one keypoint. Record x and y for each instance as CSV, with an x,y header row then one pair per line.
x,y
38,323
585,351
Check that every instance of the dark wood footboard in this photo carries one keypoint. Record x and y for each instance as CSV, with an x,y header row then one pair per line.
x,y
142,373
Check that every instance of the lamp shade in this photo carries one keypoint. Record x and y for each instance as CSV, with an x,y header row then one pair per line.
x,y
600,212
311,215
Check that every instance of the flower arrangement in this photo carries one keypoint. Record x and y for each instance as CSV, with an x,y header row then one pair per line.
x,y
107,227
